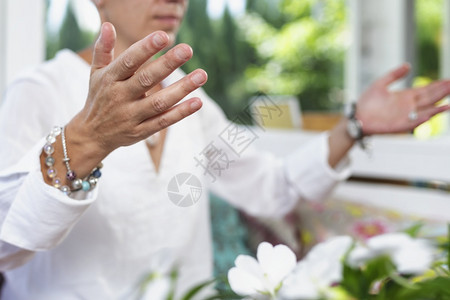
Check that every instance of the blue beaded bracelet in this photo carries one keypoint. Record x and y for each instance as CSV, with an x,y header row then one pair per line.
x,y
86,184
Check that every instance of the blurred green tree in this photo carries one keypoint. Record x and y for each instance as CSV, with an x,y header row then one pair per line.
x,y
220,49
69,36
278,47
429,20
304,56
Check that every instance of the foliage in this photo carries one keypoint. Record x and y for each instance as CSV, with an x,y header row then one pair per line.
x,y
437,125
379,279
304,56
219,49
279,47
388,266
429,20
151,288
70,35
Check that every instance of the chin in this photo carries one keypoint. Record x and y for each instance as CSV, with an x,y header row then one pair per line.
x,y
172,38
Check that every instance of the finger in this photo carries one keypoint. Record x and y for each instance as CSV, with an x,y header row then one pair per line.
x,y
104,47
426,114
434,110
432,93
155,71
170,117
164,99
135,56
394,75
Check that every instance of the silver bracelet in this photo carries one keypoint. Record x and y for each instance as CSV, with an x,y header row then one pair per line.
x,y
70,175
86,184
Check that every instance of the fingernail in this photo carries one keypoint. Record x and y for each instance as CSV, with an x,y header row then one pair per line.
x,y
198,78
196,104
181,53
101,30
158,40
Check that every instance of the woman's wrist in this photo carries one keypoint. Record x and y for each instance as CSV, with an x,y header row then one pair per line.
x,y
83,149
340,142
70,163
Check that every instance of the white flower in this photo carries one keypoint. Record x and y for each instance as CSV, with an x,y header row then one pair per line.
x,y
410,256
264,276
155,284
157,289
314,275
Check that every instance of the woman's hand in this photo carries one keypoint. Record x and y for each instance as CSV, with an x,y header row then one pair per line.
x,y
384,111
119,110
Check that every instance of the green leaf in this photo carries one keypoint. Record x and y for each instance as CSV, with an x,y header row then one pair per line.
x,y
402,281
378,268
437,288
414,230
448,247
173,281
354,282
359,281
389,290
224,296
196,289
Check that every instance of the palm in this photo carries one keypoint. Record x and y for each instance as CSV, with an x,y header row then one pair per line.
x,y
384,111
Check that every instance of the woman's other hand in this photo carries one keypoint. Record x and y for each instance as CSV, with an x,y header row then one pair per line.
x,y
384,111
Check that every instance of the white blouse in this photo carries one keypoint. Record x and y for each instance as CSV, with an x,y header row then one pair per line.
x,y
98,245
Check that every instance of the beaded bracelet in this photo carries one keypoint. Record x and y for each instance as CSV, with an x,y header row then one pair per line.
x,y
86,184
49,160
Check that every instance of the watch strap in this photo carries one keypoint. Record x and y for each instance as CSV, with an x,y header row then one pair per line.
x,y
359,136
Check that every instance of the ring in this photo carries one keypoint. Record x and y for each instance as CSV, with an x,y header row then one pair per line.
x,y
412,116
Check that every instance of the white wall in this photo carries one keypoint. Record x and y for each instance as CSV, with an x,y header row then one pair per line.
x,y
22,39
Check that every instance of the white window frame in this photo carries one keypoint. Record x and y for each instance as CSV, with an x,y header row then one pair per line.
x,y
379,41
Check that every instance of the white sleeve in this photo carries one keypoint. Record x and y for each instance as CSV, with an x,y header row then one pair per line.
x,y
33,215
258,182
26,115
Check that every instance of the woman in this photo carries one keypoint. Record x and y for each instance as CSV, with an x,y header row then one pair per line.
x,y
62,237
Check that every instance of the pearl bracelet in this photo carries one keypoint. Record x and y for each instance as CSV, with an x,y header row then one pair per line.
x,y
50,161
86,184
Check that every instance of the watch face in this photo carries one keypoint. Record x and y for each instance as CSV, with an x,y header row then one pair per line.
x,y
354,129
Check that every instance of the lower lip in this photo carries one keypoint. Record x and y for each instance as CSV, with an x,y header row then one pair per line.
x,y
169,21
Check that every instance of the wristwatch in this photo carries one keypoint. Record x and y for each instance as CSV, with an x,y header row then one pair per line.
x,y
354,127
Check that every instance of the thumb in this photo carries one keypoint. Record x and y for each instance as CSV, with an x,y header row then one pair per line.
x,y
104,47
394,75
